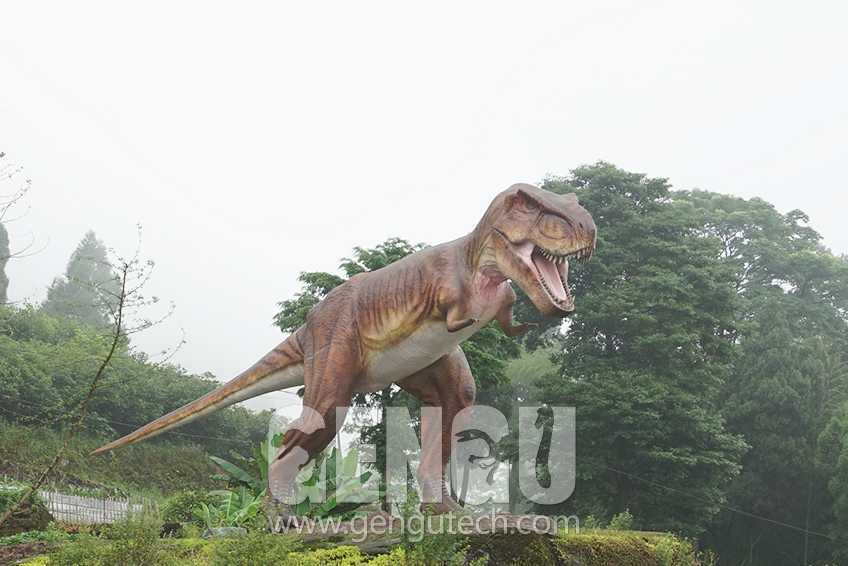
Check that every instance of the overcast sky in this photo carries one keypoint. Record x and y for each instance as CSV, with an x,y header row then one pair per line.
x,y
262,140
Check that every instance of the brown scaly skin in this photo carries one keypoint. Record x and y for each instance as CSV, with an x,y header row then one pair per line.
x,y
404,323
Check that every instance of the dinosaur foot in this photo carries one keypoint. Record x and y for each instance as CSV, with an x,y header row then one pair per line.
x,y
446,505
280,517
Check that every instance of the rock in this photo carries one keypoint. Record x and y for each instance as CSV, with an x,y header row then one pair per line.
x,y
31,517
171,529
224,532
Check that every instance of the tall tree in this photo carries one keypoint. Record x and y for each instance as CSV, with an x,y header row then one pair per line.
x,y
832,460
645,357
787,381
76,294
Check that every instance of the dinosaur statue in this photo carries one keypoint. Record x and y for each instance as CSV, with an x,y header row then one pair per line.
x,y
403,324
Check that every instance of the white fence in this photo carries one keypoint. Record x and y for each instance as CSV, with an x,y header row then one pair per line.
x,y
79,510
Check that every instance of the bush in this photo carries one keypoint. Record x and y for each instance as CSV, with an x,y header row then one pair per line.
x,y
592,523
132,542
621,522
255,548
439,546
397,557
136,540
676,552
87,550
337,556
182,507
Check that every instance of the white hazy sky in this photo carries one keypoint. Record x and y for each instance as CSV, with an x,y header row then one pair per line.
x,y
257,140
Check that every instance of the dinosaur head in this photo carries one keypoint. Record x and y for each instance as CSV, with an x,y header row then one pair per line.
x,y
533,234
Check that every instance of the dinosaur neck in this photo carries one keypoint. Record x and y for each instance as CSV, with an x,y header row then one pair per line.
x,y
478,239
476,247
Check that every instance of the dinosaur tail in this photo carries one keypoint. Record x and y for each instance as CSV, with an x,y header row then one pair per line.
x,y
282,367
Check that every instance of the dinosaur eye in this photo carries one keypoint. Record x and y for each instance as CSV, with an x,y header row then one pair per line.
x,y
553,226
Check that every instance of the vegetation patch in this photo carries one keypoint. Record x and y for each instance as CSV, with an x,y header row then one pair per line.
x,y
32,516
149,468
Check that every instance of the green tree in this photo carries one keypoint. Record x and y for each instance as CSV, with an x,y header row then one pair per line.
x,y
79,294
646,355
786,382
832,459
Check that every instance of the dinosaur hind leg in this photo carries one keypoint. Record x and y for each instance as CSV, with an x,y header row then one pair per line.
x,y
331,365
448,384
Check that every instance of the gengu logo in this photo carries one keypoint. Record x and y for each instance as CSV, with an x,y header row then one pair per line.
x,y
489,459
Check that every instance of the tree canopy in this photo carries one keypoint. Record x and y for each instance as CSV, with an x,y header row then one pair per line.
x,y
78,295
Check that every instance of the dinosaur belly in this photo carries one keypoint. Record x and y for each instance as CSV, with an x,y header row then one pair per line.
x,y
424,346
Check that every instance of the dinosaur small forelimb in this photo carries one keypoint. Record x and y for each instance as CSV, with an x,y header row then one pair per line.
x,y
513,330
504,318
456,318
457,325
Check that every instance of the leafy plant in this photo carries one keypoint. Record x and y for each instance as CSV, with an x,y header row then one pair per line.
x,y
672,551
339,481
255,548
135,540
333,474
230,508
592,523
11,492
621,522
87,549
250,472
180,508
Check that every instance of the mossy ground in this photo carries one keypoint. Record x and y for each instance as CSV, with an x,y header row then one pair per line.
x,y
593,548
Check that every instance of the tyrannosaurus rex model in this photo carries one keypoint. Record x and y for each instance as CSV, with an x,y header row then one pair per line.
x,y
403,324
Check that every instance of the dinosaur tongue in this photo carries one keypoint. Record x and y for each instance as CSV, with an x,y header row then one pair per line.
x,y
550,275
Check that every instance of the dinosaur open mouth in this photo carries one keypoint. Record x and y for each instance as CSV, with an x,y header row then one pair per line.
x,y
552,273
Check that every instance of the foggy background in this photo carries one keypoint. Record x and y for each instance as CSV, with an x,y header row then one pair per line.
x,y
268,139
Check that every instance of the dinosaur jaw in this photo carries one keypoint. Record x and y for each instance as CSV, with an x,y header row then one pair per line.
x,y
543,274
552,274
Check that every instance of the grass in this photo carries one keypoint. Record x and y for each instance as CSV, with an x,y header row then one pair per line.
x,y
147,470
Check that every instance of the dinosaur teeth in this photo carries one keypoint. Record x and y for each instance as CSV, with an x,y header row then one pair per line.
x,y
582,255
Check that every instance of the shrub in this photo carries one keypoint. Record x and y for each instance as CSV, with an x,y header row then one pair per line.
x,y
592,523
397,557
673,551
87,550
337,556
621,522
255,548
132,542
437,548
182,507
135,540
